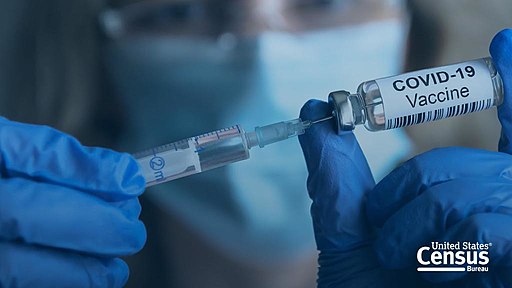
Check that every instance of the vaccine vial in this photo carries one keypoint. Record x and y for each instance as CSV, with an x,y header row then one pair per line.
x,y
420,96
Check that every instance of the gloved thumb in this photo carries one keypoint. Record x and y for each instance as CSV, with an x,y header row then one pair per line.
x,y
501,52
339,179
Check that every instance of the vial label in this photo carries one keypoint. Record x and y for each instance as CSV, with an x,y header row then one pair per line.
x,y
436,93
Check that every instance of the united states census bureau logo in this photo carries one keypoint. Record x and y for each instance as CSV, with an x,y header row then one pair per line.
x,y
454,257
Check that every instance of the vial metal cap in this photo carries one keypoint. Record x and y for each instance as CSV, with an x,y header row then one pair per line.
x,y
341,103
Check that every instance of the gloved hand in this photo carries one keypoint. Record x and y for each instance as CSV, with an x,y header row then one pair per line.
x,y
67,212
368,236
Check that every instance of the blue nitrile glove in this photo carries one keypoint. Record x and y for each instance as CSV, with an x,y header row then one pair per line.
x,y
448,194
67,212
501,52
452,194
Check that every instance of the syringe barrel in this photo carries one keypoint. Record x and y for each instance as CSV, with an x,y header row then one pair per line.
x,y
220,152
193,155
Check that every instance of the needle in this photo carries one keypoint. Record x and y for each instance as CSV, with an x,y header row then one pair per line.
x,y
322,119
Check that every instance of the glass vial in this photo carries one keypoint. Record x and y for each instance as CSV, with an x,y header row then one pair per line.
x,y
420,96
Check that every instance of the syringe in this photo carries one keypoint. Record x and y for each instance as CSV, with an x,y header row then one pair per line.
x,y
214,149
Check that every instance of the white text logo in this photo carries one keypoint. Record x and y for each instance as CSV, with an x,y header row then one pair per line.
x,y
454,257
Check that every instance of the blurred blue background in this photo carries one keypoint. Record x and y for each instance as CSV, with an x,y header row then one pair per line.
x,y
131,75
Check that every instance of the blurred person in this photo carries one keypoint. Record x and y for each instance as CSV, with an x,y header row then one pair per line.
x,y
251,226
197,68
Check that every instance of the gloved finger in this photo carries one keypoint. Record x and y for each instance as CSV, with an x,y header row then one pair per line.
x,y
57,216
339,178
435,212
30,266
436,166
486,228
501,52
48,155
